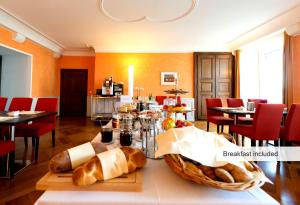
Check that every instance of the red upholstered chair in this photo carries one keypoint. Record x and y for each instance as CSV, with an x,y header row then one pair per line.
x,y
15,105
291,131
236,102
257,101
20,104
266,124
40,127
215,116
160,99
8,147
3,102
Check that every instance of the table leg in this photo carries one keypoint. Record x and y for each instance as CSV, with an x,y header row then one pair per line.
x,y
235,122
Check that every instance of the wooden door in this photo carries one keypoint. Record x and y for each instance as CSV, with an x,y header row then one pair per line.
x,y
213,78
73,92
224,77
204,82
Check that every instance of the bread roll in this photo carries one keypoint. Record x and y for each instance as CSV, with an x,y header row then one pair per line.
x,y
239,174
92,171
61,162
208,171
224,175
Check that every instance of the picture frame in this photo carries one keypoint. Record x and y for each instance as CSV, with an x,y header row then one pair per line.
x,y
168,78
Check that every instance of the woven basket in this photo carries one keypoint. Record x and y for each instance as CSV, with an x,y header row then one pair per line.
x,y
177,164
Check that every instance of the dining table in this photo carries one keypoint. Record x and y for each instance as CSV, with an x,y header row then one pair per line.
x,y
238,111
11,120
161,186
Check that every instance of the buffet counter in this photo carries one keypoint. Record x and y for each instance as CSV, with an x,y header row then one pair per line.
x,y
160,186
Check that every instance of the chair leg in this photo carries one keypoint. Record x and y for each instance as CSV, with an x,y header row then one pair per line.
x,y
11,165
33,141
218,129
253,143
276,143
222,128
207,126
53,138
36,152
260,143
26,141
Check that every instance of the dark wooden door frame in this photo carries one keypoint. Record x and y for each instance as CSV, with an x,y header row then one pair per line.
x,y
195,56
86,79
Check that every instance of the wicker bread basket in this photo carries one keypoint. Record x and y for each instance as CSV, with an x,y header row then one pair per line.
x,y
178,165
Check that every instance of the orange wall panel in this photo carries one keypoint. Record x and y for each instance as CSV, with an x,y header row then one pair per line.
x,y
78,62
44,72
147,70
296,69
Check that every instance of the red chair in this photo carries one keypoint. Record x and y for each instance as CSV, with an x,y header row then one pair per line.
x,y
40,127
160,99
257,101
215,116
3,102
266,124
20,104
15,105
236,102
291,131
8,147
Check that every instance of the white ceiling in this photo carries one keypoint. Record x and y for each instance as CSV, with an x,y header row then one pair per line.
x,y
77,24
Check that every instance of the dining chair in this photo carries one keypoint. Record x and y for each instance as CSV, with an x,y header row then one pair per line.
x,y
257,101
20,104
265,126
40,127
17,104
215,116
290,132
236,102
8,148
3,101
160,99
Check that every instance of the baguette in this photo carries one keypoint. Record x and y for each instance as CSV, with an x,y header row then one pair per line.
x,y
92,171
61,162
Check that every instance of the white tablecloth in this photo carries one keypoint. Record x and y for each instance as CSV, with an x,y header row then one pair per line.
x,y
161,186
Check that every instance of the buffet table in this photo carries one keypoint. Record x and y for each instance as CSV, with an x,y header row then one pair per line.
x,y
161,186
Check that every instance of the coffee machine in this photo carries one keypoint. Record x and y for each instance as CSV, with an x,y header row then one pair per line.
x,y
108,87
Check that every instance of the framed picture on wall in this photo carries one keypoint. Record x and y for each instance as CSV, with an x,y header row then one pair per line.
x,y
168,78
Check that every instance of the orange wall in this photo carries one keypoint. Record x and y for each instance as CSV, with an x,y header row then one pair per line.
x,y
147,69
78,62
296,69
44,72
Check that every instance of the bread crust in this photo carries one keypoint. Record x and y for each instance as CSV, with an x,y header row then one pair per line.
x,y
91,171
61,162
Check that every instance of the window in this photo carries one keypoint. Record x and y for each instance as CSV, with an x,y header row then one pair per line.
x,y
261,70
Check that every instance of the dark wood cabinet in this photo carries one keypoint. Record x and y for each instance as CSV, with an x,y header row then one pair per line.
x,y
213,79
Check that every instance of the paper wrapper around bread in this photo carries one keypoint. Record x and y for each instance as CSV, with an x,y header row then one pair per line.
x,y
81,154
196,144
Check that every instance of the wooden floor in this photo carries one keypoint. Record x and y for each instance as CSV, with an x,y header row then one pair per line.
x,y
71,132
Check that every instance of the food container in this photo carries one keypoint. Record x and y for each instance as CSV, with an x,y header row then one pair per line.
x,y
250,106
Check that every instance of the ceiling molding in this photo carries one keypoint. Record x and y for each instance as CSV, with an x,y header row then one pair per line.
x,y
14,23
101,6
219,48
79,52
278,23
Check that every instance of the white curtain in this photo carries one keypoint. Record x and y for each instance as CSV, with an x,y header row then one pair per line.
x,y
261,69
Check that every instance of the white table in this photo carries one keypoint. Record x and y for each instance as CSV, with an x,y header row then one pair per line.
x,y
161,186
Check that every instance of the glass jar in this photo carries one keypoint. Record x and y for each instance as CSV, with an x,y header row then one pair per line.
x,y
126,137
115,120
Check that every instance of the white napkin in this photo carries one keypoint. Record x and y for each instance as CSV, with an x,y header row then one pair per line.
x,y
195,144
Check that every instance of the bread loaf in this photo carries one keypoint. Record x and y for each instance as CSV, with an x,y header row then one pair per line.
x,y
92,171
61,162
